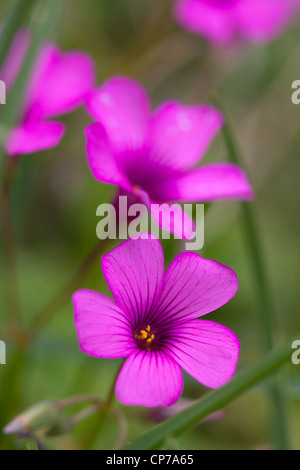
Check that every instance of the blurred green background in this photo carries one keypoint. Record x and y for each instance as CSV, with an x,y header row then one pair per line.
x,y
55,200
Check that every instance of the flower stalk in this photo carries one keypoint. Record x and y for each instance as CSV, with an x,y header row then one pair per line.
x,y
49,311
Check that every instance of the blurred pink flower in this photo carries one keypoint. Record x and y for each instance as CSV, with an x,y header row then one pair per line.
x,y
153,321
223,21
161,413
59,83
151,156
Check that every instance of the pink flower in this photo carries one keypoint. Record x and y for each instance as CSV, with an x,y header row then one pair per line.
x,y
223,21
151,156
59,83
153,322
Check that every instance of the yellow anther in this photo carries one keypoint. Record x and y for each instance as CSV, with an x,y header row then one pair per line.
x,y
148,328
150,339
144,334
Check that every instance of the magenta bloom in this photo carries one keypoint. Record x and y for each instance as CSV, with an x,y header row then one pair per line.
x,y
59,83
223,21
151,156
153,322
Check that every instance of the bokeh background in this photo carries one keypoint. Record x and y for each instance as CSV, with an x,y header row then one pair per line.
x,y
54,210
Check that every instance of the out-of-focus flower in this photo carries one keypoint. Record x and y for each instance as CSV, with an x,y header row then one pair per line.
x,y
161,413
59,83
153,321
152,156
223,21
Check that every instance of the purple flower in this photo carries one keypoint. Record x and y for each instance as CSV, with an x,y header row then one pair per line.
x,y
151,156
59,83
153,321
223,21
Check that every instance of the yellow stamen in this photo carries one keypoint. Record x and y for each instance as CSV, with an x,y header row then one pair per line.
x,y
144,334
148,328
150,339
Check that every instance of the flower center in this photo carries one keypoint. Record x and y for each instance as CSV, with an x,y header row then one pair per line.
x,y
146,338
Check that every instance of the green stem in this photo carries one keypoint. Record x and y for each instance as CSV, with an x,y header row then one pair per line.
x,y
215,400
264,300
57,302
103,415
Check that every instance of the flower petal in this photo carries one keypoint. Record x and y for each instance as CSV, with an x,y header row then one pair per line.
x,y
102,327
173,219
206,350
262,20
122,106
34,136
215,21
213,182
180,135
149,378
15,57
61,81
193,286
101,158
134,272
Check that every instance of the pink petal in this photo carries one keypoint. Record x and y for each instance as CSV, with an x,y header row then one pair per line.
x,y
134,272
206,350
217,181
215,21
122,106
193,286
15,57
101,158
33,137
62,81
180,135
173,219
102,327
262,20
149,378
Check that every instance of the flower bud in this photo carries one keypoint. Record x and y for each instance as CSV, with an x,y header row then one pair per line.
x,y
40,416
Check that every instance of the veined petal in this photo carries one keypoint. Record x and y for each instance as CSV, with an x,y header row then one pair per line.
x,y
101,158
193,286
212,182
102,327
134,272
34,136
206,350
180,135
122,106
149,378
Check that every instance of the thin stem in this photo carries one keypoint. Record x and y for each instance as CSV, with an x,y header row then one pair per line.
x,y
264,300
104,412
215,400
57,302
